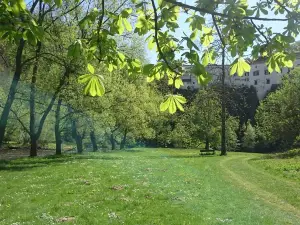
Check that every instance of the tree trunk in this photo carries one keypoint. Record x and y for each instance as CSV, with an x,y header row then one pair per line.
x,y
33,146
12,90
32,123
93,140
76,135
58,139
223,113
79,145
206,144
123,142
112,142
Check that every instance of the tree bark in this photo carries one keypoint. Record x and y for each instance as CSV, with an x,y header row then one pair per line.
x,y
123,142
93,140
206,144
112,141
223,103
12,90
32,123
79,145
33,146
58,139
76,135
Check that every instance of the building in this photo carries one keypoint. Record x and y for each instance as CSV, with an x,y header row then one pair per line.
x,y
259,77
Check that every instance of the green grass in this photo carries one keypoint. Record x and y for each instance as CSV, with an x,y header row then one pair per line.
x,y
148,186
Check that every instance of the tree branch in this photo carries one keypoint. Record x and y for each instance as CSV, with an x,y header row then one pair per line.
x,y
70,10
156,39
203,10
260,32
218,31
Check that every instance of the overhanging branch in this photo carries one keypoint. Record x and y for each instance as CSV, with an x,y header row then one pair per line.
x,y
156,39
203,10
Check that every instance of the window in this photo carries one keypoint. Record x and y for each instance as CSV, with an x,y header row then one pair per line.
x,y
255,82
256,73
247,74
247,79
186,80
267,72
268,81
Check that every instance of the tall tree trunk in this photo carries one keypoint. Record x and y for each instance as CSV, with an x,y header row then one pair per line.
x,y
112,141
33,146
207,143
12,90
58,139
223,113
32,127
123,142
93,140
76,135
79,145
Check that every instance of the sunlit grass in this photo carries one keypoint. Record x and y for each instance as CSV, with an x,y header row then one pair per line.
x,y
146,186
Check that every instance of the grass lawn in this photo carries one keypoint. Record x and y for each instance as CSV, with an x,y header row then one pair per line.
x,y
150,186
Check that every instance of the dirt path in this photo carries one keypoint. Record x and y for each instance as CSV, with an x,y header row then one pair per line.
x,y
266,196
10,154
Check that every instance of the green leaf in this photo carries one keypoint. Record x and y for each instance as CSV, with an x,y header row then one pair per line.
x,y
178,83
179,106
94,86
84,78
165,105
127,25
172,103
193,35
180,99
110,67
90,68
147,69
204,78
121,56
75,49
239,66
264,11
289,64
190,43
172,106
31,38
150,79
120,26
126,12
151,43
58,2
208,58
22,4
207,39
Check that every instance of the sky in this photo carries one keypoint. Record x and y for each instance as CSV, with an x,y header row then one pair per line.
x,y
276,26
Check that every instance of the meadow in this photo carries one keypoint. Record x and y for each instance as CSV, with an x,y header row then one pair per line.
x,y
150,186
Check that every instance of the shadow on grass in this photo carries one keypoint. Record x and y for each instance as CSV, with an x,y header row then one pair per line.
x,y
179,156
30,163
26,163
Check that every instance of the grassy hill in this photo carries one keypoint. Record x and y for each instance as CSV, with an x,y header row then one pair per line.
x,y
151,186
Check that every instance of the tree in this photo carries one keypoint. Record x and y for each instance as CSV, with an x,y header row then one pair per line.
x,y
277,117
249,138
205,114
103,22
